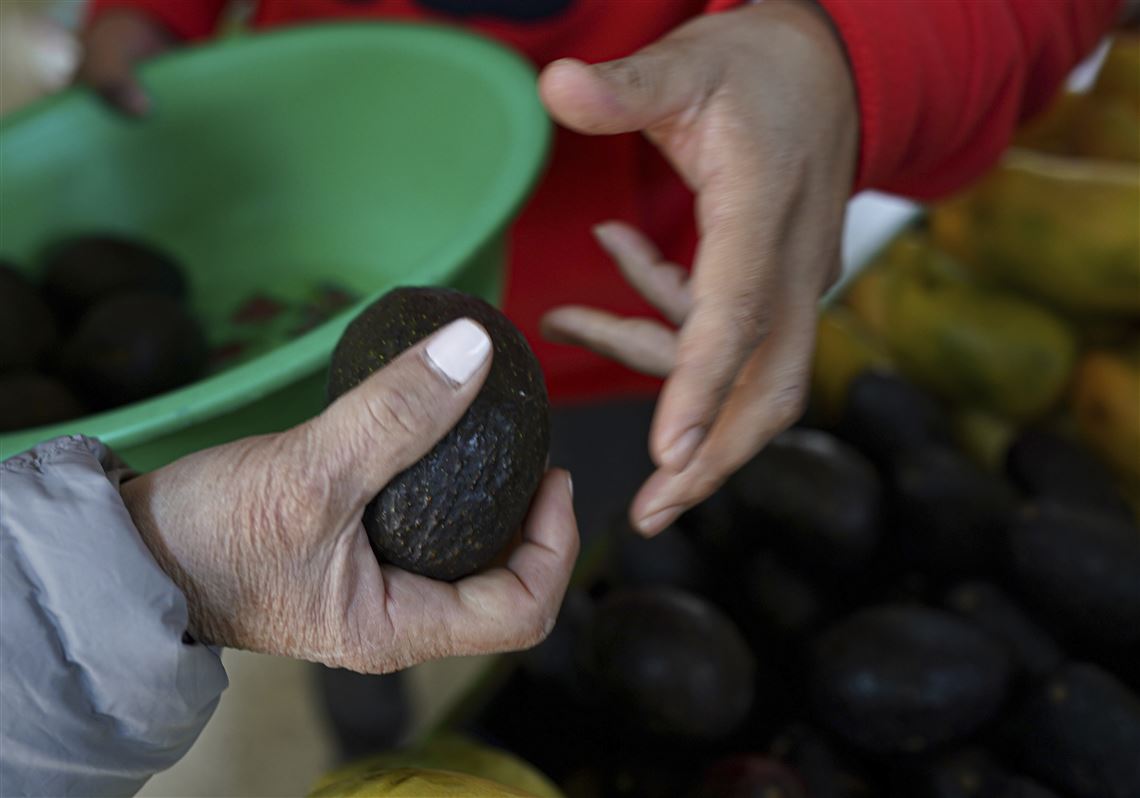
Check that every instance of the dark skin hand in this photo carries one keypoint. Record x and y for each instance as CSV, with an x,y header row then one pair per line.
x,y
755,108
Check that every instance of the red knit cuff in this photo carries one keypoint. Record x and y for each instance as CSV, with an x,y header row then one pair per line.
x,y
186,19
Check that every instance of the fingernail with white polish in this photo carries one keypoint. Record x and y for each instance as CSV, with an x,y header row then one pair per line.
x,y
678,455
459,349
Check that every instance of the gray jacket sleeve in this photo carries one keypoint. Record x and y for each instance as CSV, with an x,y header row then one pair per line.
x,y
98,690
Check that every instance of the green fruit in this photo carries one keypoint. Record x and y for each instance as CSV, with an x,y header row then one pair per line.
x,y
901,678
452,512
32,400
81,271
133,346
27,327
669,663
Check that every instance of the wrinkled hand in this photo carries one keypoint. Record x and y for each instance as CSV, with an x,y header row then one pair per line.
x,y
112,48
264,535
756,110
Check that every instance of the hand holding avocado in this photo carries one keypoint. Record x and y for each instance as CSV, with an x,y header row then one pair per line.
x,y
265,538
756,110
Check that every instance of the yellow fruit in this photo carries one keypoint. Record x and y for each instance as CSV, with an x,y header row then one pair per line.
x,y
977,347
844,348
1106,404
443,766
418,783
983,436
1065,231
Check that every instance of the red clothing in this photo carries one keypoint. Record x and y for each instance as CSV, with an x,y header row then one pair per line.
x,y
941,87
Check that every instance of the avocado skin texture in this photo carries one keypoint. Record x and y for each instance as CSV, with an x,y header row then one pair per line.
x,y
27,327
1047,467
949,515
81,271
885,416
133,346
1031,649
902,679
669,662
30,400
813,497
1080,570
452,512
1079,732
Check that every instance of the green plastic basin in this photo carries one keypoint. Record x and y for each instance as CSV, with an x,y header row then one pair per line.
x,y
366,156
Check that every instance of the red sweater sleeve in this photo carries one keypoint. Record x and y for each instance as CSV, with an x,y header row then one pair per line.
x,y
942,84
186,19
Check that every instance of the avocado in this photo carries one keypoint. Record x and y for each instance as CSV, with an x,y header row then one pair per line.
x,y
1046,466
778,600
27,327
1081,570
751,776
827,770
669,663
552,660
718,528
1030,648
902,679
967,773
81,271
949,515
668,559
1079,732
133,346
885,415
28,400
452,512
813,497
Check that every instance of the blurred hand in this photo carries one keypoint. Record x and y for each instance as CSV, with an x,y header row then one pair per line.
x,y
264,535
112,49
755,108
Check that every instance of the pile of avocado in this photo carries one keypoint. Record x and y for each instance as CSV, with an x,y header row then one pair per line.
x,y
106,324
863,612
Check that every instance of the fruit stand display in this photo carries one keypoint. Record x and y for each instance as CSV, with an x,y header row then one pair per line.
x,y
930,587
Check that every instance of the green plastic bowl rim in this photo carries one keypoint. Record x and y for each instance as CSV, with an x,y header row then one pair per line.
x,y
249,381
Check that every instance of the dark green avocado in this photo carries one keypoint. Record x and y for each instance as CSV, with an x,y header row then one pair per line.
x,y
452,512
27,327
83,270
28,399
668,662
903,679
133,346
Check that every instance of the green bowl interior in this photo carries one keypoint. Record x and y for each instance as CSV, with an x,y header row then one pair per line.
x,y
358,156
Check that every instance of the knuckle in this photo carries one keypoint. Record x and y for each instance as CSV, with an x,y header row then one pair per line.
x,y
396,414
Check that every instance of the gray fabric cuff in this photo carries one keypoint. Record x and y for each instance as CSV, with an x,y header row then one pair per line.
x,y
100,691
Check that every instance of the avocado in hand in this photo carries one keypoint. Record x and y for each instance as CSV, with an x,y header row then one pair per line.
x,y
452,512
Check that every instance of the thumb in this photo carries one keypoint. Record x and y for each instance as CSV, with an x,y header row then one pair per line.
x,y
628,94
392,419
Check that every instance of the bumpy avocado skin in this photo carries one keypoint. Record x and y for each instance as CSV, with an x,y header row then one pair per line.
x,y
452,512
